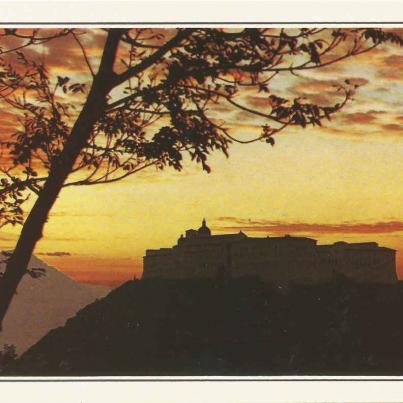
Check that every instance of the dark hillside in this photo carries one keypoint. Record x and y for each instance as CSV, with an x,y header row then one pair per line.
x,y
234,327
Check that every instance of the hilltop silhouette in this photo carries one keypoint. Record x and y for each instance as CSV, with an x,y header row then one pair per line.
x,y
227,326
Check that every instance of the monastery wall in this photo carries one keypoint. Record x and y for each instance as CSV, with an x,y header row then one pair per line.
x,y
274,259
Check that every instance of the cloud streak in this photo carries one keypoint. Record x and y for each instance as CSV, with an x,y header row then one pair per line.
x,y
54,254
359,117
282,227
393,127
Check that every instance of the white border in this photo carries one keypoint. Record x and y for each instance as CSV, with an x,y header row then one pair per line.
x,y
201,11
202,389
198,392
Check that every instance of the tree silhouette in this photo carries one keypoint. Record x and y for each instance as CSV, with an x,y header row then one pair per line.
x,y
151,100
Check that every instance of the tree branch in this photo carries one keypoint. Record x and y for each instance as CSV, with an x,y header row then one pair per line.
x,y
83,51
150,60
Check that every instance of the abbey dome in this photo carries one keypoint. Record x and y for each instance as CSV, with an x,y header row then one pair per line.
x,y
204,230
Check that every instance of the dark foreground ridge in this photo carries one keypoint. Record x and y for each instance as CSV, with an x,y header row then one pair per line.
x,y
229,327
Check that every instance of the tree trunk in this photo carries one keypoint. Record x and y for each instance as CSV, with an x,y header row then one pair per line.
x,y
32,229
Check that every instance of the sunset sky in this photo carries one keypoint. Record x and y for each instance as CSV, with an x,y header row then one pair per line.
x,y
343,181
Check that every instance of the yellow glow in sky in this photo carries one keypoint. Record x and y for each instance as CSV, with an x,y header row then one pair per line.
x,y
348,172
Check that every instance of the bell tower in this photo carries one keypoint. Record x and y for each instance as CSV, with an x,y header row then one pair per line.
x,y
204,230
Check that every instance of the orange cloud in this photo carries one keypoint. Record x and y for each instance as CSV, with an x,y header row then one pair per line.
x,y
73,60
391,74
54,254
394,61
392,70
393,127
359,117
280,227
323,92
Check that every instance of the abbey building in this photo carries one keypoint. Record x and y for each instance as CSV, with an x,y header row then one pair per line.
x,y
274,259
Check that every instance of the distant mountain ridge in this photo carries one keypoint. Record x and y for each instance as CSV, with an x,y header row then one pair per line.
x,y
43,303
